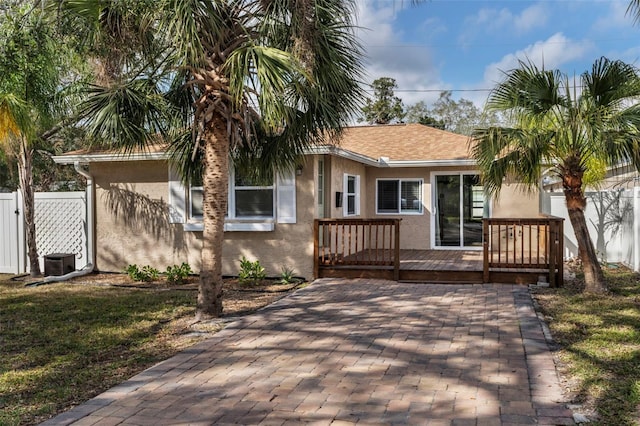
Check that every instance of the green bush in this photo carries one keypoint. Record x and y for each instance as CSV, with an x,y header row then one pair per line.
x,y
147,273
178,274
287,276
251,272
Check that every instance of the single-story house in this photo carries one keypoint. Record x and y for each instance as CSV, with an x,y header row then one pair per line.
x,y
142,214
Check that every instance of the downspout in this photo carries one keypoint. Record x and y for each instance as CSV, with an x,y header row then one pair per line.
x,y
91,256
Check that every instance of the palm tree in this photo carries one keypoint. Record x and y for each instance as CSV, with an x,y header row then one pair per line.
x,y
230,79
31,69
565,125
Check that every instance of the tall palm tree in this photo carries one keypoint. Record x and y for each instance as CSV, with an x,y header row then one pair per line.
x,y
231,78
566,125
32,66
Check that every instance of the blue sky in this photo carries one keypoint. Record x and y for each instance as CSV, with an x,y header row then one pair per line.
x,y
465,45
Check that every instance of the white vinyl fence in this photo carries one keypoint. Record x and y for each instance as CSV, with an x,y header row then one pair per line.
x,y
613,218
9,231
61,227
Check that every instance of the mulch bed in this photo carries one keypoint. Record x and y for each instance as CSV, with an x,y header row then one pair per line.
x,y
238,298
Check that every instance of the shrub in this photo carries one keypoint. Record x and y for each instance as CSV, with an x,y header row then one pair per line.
x,y
178,274
147,273
251,272
287,276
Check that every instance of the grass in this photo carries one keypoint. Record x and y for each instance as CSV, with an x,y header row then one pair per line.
x,y
62,344
599,337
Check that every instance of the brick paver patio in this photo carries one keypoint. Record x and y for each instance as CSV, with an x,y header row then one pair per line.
x,y
355,352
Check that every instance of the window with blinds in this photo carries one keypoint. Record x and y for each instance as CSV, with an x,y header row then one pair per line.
x,y
399,196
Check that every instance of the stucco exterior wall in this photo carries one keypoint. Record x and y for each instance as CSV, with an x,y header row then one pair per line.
x,y
416,229
338,167
132,222
516,201
132,225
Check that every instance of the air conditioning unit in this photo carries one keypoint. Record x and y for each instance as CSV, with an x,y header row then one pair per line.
x,y
59,264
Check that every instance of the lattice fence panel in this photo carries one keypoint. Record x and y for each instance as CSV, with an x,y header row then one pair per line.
x,y
61,224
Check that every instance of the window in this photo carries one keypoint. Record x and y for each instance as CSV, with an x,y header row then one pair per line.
x,y
196,199
395,196
351,195
252,198
248,198
253,205
320,191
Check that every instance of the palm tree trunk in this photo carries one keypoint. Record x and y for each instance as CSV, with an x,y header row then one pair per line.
x,y
593,277
215,183
26,185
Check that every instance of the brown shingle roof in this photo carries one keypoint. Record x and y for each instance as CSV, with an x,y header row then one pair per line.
x,y
398,142
405,142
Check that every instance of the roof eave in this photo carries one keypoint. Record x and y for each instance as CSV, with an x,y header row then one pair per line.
x,y
323,149
428,163
99,158
350,155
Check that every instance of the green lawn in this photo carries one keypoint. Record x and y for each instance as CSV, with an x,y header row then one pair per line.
x,y
600,339
62,344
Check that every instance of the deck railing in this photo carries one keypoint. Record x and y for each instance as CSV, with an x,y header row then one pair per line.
x,y
372,243
535,243
510,246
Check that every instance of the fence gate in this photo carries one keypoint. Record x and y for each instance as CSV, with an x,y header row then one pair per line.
x,y
9,242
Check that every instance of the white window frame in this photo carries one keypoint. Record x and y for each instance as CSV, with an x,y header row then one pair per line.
x,y
189,198
284,204
400,211
231,205
432,228
347,194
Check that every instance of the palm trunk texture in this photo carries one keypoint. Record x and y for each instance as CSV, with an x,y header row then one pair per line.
x,y
215,184
593,277
26,185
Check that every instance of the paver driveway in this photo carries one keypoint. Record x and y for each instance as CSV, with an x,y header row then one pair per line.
x,y
355,352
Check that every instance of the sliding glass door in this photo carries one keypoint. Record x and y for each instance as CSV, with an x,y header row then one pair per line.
x,y
459,205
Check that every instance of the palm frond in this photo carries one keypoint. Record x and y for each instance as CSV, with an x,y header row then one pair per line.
x,y
126,116
273,70
610,82
504,153
528,90
14,116
185,155
634,10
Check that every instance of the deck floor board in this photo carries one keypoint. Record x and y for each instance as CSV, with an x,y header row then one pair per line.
x,y
441,260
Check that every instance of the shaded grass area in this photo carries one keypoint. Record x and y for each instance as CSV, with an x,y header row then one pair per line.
x,y
599,337
63,344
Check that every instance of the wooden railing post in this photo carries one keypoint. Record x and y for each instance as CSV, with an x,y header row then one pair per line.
x,y
316,248
485,250
396,261
560,252
552,249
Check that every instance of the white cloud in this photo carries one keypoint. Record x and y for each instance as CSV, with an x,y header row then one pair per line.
x,y
615,19
551,53
532,17
489,20
387,55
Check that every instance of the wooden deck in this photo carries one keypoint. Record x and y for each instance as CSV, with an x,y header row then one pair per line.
x,y
436,266
513,251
